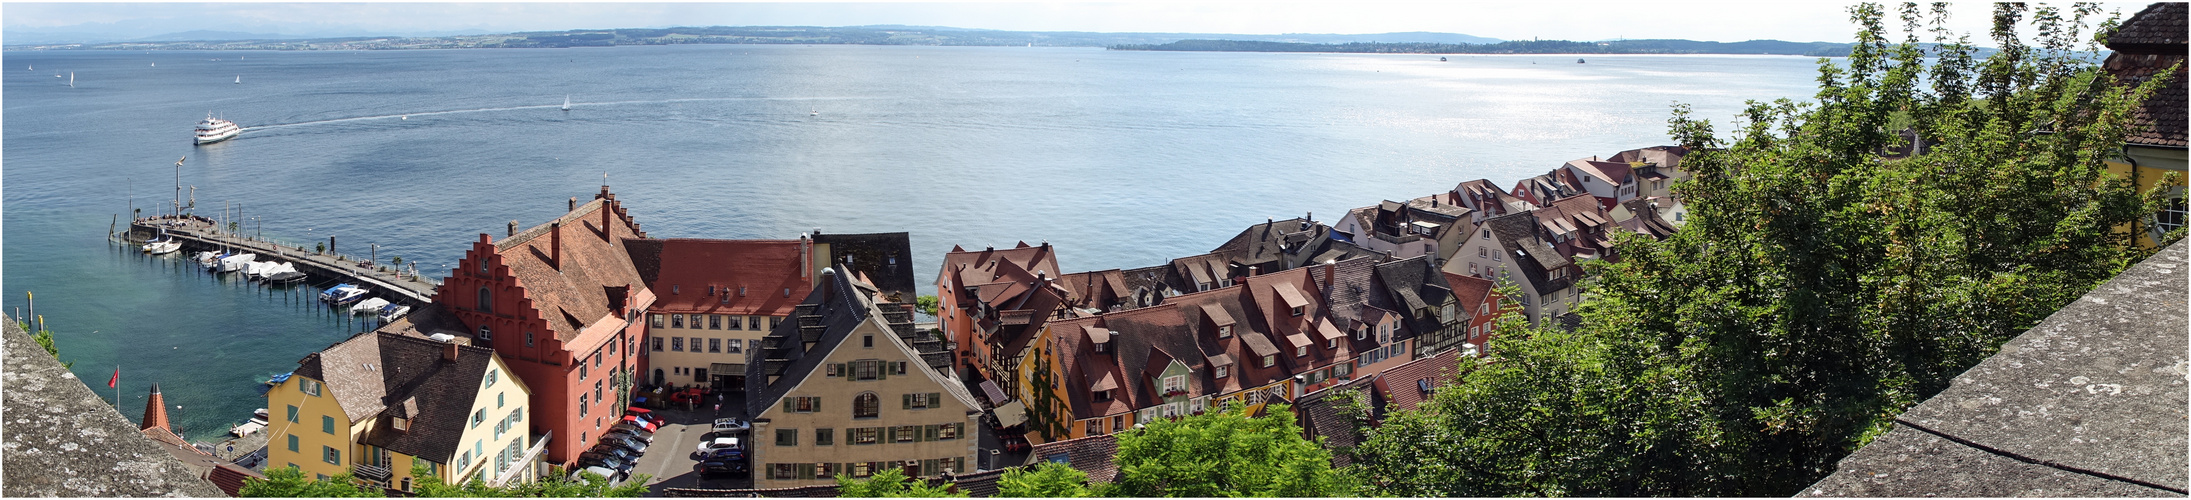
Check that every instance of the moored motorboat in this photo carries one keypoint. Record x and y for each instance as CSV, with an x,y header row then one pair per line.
x,y
344,292
369,306
237,262
283,278
390,312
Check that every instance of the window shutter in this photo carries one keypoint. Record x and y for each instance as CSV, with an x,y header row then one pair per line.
x,y
959,429
842,371
908,400
788,405
890,434
935,400
882,370
816,405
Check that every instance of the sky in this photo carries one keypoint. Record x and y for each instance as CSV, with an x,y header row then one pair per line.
x,y
1582,20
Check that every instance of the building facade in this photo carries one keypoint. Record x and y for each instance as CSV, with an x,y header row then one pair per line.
x,y
562,303
850,388
378,404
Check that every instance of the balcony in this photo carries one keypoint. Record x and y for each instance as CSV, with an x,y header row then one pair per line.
x,y
372,472
532,456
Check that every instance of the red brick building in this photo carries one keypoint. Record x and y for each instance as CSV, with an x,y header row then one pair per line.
x,y
714,300
562,303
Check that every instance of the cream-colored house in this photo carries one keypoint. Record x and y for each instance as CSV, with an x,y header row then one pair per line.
x,y
847,387
381,402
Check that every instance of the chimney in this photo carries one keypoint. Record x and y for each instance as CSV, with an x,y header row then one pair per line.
x,y
1251,270
448,351
574,205
513,228
606,213
828,283
806,255
555,245
1330,267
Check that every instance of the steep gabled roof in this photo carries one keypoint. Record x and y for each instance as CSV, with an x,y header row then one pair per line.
x,y
1093,455
1612,172
837,307
1415,284
1403,384
2147,43
590,264
1529,254
1321,416
436,394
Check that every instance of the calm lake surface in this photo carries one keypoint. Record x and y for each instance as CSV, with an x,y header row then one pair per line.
x,y
1121,159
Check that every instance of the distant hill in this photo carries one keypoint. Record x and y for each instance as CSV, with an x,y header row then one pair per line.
x,y
860,35
1820,49
214,36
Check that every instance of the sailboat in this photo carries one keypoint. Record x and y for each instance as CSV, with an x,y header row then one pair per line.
x,y
239,79
566,103
72,79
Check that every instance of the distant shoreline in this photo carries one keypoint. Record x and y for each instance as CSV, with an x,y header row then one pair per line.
x,y
1384,43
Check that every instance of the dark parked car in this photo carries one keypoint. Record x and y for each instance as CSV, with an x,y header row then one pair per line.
x,y
636,446
591,459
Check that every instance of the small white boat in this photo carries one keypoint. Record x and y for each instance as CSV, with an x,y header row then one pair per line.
x,y
252,269
566,103
237,262
369,306
163,245
213,263
239,79
72,79
390,312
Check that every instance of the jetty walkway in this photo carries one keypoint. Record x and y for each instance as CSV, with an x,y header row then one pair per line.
x,y
198,234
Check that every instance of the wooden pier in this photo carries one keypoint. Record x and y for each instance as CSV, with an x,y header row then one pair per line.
x,y
200,235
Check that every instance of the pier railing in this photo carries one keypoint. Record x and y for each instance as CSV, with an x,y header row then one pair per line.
x,y
198,235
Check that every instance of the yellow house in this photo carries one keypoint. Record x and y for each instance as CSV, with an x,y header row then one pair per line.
x,y
379,403
2145,45
848,387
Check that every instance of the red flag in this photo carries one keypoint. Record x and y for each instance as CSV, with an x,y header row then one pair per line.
x,y
117,377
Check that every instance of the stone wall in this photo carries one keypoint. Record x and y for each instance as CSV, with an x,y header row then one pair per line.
x,y
61,440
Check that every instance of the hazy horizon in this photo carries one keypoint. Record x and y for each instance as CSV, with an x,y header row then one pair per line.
x,y
1720,21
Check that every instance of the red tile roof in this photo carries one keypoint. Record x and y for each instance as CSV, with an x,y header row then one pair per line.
x,y
1469,290
736,277
2147,43
1092,455
155,411
591,263
1401,384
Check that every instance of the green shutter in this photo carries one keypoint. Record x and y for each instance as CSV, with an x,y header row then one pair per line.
x,y
787,405
817,406
935,400
890,434
959,429
842,370
882,370
908,400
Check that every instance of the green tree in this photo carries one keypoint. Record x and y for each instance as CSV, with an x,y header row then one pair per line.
x,y
927,304
1226,453
1045,480
288,482
1820,286
589,485
891,483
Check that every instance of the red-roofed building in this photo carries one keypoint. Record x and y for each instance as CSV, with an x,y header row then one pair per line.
x,y
561,303
1406,387
2147,44
714,300
992,299
1480,297
1611,182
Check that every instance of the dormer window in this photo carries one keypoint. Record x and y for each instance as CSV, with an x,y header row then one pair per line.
x,y
1102,395
1297,310
485,333
1300,351
402,424
1223,371
1224,332
1270,360
1102,347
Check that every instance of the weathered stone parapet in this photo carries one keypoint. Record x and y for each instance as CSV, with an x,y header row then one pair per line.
x,y
2092,402
61,440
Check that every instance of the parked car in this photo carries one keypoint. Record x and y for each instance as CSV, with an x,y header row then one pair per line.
x,y
640,423
636,446
631,433
634,410
633,429
612,475
721,443
731,425
725,454
723,468
692,395
614,451
590,459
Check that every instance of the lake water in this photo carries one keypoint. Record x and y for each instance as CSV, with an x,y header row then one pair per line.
x,y
1121,159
